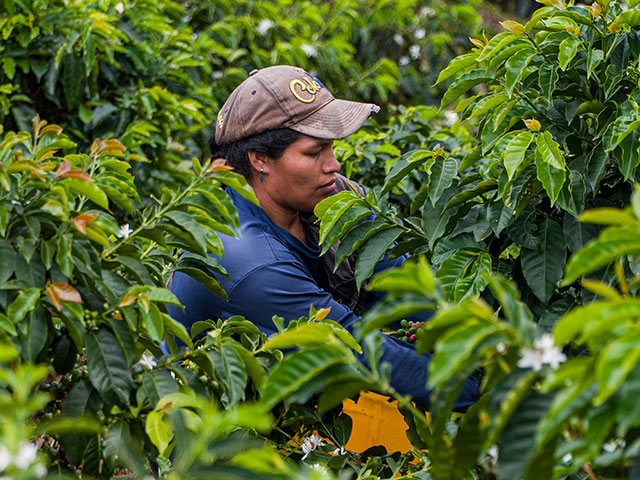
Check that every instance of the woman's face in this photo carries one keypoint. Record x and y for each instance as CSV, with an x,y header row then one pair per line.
x,y
304,175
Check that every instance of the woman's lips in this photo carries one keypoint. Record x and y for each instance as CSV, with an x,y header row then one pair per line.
x,y
328,187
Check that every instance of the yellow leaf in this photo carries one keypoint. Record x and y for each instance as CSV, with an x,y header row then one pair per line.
x,y
476,42
128,300
596,10
573,31
532,124
614,27
61,291
322,313
440,151
219,164
514,27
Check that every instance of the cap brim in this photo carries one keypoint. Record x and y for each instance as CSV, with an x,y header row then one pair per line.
x,y
337,119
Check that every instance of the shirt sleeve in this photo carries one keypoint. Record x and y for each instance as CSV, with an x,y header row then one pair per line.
x,y
284,288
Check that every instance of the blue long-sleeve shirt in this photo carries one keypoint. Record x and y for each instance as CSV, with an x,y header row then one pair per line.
x,y
274,273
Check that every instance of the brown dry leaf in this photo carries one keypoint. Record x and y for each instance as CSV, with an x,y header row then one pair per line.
x,y
65,167
82,220
66,292
219,164
53,295
78,174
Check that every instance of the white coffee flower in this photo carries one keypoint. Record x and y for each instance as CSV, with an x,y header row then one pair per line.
x,y
567,458
217,75
501,348
264,26
493,452
5,458
398,39
147,361
544,353
403,61
119,7
309,444
25,456
125,231
339,451
451,118
426,12
309,50
419,34
414,51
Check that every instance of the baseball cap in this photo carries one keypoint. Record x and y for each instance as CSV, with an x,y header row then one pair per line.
x,y
286,96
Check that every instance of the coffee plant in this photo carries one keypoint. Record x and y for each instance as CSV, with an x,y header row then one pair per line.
x,y
511,227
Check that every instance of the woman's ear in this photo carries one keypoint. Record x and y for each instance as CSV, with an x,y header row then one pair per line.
x,y
258,160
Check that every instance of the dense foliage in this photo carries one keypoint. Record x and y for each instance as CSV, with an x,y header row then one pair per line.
x,y
507,206
556,113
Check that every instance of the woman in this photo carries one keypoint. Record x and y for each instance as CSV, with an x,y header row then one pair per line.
x,y
277,129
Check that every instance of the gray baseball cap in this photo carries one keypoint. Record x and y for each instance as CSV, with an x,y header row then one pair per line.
x,y
285,96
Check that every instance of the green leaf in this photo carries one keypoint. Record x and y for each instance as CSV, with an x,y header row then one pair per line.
x,y
461,275
108,369
518,439
454,349
598,320
568,49
441,177
463,84
515,66
611,245
36,339
88,189
298,368
356,237
206,280
593,60
457,65
487,104
23,304
552,178
238,183
404,165
73,76
335,212
630,17
231,370
614,362
497,44
542,268
344,223
515,152
186,222
629,160
156,385
550,150
157,430
136,267
153,324
63,255
301,335
252,364
373,251
177,329
4,219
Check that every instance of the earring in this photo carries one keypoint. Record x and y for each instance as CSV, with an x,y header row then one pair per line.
x,y
261,172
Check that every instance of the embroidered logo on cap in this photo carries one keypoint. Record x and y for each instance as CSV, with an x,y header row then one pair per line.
x,y
306,90
220,120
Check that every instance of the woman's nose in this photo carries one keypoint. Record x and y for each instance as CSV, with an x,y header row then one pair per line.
x,y
331,163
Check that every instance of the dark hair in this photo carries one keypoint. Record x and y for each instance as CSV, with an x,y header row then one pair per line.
x,y
272,143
